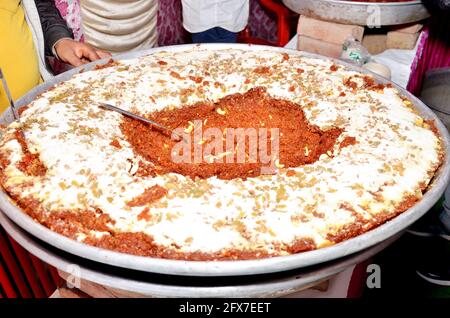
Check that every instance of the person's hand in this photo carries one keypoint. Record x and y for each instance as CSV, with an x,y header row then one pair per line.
x,y
77,53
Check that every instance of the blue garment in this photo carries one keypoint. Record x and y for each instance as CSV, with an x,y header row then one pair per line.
x,y
215,35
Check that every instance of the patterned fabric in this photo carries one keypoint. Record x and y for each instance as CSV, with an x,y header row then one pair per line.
x,y
170,24
70,11
262,23
433,51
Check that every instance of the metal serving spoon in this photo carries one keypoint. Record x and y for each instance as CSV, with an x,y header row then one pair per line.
x,y
11,103
142,119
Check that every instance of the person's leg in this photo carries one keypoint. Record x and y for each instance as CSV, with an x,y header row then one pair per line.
x,y
214,35
202,37
225,36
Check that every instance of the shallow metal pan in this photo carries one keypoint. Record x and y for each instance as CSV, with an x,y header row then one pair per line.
x,y
233,268
361,13
150,285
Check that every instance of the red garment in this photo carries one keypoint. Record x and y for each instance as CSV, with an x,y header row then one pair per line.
x,y
433,51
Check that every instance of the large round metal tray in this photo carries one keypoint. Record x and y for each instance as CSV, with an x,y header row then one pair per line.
x,y
361,13
232,268
151,285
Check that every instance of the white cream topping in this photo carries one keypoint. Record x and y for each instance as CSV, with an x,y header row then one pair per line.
x,y
394,153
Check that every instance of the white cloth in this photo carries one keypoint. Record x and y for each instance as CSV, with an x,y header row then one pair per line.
x,y
398,61
34,23
120,25
201,15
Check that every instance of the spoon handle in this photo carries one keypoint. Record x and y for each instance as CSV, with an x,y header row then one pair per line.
x,y
140,118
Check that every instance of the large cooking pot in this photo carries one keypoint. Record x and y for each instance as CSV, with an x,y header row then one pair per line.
x,y
244,267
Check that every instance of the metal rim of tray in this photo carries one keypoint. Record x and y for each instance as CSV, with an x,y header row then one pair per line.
x,y
360,12
278,287
386,4
242,267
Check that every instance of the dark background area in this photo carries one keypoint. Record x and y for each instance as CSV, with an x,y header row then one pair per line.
x,y
400,261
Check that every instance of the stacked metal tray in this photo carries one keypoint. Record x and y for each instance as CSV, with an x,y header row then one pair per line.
x,y
156,285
